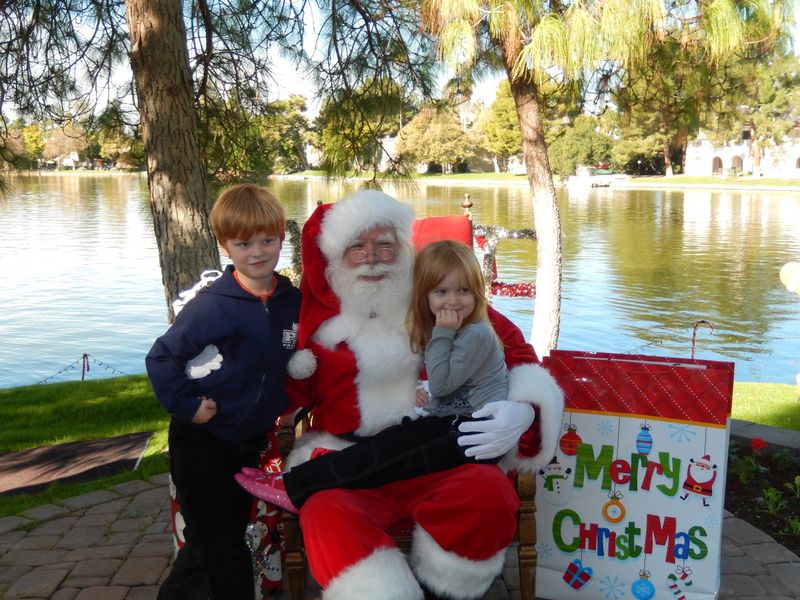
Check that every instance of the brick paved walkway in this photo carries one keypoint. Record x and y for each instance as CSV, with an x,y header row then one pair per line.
x,y
116,545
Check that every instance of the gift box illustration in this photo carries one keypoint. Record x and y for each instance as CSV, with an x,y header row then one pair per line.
x,y
577,575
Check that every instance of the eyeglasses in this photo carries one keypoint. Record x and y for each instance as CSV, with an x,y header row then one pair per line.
x,y
383,254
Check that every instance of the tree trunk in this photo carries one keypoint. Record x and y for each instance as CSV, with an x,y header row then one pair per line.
x,y
680,143
546,318
175,173
755,153
667,158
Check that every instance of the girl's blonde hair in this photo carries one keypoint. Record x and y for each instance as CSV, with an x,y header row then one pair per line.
x,y
433,263
243,210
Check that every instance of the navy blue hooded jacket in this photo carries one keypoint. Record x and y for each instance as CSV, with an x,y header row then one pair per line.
x,y
255,341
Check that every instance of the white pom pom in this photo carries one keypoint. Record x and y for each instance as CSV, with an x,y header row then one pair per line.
x,y
302,364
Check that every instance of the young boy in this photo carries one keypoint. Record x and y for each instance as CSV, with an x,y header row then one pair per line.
x,y
222,410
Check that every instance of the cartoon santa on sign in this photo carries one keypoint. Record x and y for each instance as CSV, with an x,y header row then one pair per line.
x,y
700,477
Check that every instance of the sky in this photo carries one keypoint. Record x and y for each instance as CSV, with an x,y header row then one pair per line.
x,y
289,80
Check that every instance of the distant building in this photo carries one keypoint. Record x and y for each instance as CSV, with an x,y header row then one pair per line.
x,y
705,157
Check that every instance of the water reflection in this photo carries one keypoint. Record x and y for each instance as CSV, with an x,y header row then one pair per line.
x,y
640,267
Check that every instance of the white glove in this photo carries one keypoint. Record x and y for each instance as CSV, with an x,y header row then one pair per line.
x,y
201,365
495,436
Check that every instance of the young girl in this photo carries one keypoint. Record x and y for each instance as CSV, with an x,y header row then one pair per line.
x,y
465,367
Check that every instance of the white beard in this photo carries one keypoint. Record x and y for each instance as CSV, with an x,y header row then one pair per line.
x,y
372,323
381,304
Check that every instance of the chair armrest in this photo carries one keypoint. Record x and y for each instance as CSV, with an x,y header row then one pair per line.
x,y
285,435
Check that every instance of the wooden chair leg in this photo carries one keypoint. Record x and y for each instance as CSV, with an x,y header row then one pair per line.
x,y
295,565
526,530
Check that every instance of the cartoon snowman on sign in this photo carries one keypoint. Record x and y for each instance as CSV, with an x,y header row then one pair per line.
x,y
700,477
556,490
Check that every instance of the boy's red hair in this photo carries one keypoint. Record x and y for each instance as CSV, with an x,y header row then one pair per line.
x,y
244,210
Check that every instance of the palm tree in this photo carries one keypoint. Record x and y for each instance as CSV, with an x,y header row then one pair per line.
x,y
542,44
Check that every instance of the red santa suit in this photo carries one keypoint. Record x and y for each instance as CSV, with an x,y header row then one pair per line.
x,y
362,379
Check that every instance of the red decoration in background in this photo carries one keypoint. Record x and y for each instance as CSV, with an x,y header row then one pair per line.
x,y
570,440
514,290
757,445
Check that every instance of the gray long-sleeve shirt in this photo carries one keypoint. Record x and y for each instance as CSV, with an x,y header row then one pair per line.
x,y
466,369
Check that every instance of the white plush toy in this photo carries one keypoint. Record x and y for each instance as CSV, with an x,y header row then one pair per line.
x,y
209,359
201,365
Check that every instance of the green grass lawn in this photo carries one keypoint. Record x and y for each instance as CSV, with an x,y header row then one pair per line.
x,y
40,415
743,181
772,404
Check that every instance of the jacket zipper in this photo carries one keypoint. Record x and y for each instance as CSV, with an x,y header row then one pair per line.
x,y
263,375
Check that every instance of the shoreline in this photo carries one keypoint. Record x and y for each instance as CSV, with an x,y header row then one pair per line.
x,y
78,173
643,183
639,183
727,187
416,181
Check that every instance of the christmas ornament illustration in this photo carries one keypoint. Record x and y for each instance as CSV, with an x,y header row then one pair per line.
x,y
613,510
675,582
700,476
643,588
570,440
644,440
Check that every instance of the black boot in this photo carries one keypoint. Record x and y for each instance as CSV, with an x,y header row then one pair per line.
x,y
429,595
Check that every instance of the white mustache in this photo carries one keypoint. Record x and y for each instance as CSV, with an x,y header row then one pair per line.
x,y
373,270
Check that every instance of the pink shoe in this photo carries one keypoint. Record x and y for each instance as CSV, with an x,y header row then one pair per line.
x,y
254,473
269,487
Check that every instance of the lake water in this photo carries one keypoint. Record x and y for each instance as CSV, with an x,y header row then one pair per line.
x,y
640,268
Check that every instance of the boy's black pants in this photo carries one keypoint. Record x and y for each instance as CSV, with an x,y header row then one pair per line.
x,y
215,562
413,448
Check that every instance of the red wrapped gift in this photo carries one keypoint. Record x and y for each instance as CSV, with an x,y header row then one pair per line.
x,y
577,575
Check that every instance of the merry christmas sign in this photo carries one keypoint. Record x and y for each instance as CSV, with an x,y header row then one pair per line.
x,y
631,504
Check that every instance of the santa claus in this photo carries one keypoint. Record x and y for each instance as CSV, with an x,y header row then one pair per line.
x,y
700,477
357,374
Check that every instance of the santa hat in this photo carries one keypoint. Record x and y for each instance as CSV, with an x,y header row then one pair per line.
x,y
329,231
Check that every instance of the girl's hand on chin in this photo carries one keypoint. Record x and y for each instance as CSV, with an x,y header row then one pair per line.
x,y
449,319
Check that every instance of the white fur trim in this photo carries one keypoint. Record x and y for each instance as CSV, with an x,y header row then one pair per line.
x,y
336,329
388,370
533,384
303,447
358,212
447,573
383,575
302,364
387,376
